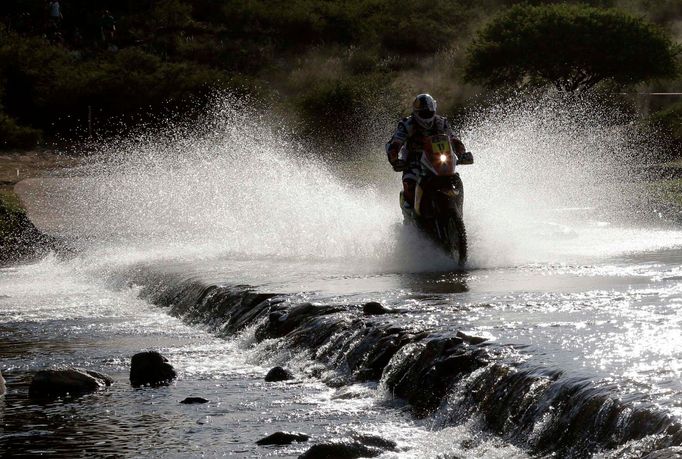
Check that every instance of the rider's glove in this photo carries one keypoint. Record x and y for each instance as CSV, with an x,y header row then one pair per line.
x,y
399,165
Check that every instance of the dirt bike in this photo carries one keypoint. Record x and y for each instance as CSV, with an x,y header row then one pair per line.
x,y
439,197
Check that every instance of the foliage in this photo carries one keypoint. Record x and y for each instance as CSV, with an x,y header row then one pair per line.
x,y
12,219
40,81
421,26
14,136
400,26
10,213
338,107
669,123
572,46
326,63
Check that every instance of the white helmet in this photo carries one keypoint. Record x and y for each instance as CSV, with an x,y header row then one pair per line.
x,y
424,110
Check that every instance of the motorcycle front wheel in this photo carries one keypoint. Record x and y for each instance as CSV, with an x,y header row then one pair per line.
x,y
456,243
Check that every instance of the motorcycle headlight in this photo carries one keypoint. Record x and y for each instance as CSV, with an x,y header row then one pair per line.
x,y
443,158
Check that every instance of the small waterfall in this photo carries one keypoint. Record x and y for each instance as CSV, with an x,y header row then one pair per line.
x,y
448,377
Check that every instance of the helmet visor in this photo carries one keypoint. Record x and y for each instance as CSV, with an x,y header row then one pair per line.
x,y
426,114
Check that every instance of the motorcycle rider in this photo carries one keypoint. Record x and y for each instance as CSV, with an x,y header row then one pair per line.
x,y
409,137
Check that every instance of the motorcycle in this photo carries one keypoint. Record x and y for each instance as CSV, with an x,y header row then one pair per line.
x,y
439,197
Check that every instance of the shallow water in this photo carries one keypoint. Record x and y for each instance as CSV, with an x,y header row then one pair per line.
x,y
615,323
50,318
572,271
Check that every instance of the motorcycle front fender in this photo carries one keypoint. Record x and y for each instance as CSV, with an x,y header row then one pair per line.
x,y
447,200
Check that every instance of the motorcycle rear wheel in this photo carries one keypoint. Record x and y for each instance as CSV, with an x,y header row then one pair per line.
x,y
456,243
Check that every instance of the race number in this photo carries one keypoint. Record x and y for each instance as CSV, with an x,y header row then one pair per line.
x,y
440,145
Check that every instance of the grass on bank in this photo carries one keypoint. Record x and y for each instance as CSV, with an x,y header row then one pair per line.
x,y
12,215
10,201
15,167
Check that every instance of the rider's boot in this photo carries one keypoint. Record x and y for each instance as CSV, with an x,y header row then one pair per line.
x,y
407,200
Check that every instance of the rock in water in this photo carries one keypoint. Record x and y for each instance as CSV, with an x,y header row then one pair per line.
x,y
108,380
151,368
278,374
374,309
471,339
73,381
340,451
283,438
376,441
194,400
3,388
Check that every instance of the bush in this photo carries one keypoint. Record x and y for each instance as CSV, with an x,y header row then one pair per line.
x,y
572,46
421,26
14,136
669,123
29,70
341,107
47,87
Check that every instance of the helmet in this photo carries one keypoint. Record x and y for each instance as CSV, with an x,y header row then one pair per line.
x,y
424,110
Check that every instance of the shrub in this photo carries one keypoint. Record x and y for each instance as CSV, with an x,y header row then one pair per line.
x,y
14,136
572,46
47,87
669,123
341,107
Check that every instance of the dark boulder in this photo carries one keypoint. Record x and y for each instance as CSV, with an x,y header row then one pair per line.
x,y
375,309
108,380
471,339
278,374
193,400
378,357
150,368
283,321
336,381
375,441
432,368
283,438
340,450
72,381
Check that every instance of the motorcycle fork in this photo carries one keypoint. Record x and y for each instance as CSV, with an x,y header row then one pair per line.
x,y
418,194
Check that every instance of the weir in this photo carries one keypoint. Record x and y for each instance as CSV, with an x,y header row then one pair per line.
x,y
447,376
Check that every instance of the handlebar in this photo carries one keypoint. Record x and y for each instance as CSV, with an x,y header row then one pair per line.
x,y
466,159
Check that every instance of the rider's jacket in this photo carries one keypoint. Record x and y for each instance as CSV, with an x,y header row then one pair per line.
x,y
410,134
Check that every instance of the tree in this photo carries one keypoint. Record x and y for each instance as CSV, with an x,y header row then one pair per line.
x,y
572,46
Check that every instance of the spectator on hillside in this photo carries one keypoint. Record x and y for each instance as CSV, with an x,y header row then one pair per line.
x,y
107,27
54,11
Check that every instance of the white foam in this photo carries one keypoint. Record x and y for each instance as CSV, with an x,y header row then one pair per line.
x,y
549,178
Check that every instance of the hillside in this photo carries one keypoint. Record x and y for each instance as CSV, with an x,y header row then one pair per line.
x,y
326,66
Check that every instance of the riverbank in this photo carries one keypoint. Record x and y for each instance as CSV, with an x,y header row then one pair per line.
x,y
20,240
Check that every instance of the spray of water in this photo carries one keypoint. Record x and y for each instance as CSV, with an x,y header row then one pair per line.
x,y
551,183
236,183
556,181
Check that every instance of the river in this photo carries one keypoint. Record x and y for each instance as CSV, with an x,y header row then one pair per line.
x,y
573,280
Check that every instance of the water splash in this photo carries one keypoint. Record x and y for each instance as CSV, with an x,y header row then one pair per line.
x,y
555,181
551,183
234,184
